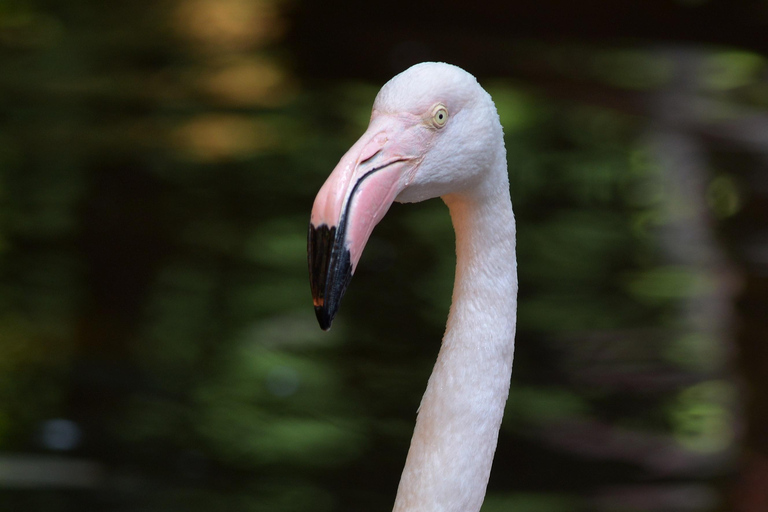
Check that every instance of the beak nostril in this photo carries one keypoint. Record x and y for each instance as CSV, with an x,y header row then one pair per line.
x,y
370,158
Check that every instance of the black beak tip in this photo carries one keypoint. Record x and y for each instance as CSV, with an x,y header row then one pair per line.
x,y
329,271
324,317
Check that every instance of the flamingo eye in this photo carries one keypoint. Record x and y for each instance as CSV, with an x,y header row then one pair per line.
x,y
439,116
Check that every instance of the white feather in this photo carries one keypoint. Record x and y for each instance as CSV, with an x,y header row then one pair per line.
x,y
456,432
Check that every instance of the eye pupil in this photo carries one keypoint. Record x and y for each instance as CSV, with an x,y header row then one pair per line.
x,y
440,116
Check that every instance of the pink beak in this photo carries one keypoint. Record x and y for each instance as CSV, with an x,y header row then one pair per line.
x,y
354,198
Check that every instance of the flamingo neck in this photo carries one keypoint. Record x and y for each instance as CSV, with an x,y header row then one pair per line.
x,y
457,428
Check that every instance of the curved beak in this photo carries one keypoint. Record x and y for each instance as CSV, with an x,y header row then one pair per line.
x,y
354,198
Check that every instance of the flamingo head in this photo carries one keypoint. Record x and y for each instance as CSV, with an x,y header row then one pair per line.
x,y
427,138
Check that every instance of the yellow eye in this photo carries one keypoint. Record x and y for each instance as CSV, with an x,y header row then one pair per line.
x,y
439,116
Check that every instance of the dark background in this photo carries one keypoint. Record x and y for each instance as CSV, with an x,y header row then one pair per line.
x,y
158,162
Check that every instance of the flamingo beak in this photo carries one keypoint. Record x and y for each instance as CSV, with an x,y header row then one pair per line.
x,y
354,198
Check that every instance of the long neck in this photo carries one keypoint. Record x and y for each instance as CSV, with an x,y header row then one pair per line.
x,y
454,441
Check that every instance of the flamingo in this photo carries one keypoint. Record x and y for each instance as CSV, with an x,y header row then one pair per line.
x,y
434,132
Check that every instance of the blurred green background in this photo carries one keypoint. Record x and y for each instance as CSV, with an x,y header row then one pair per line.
x,y
158,346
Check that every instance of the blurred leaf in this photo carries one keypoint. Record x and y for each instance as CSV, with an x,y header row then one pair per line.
x,y
516,109
696,352
631,68
702,417
280,244
723,196
529,502
540,406
731,69
669,283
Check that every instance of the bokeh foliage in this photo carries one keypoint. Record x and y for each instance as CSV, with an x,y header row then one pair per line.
x,y
157,166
